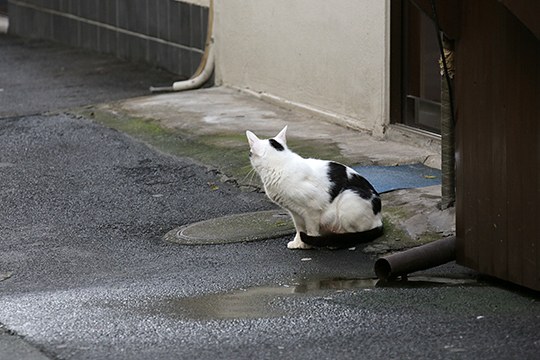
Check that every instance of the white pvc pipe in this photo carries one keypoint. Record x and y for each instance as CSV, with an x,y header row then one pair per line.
x,y
200,79
201,76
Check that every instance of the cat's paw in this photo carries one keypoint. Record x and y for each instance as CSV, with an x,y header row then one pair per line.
x,y
298,244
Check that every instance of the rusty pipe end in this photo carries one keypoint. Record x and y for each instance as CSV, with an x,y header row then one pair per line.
x,y
383,269
419,258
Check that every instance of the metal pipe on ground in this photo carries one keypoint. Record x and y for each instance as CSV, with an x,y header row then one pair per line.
x,y
419,258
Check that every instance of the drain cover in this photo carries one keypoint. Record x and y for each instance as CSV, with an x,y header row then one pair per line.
x,y
253,226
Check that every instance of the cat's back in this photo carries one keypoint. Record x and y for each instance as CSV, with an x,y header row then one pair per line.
x,y
315,169
317,165
304,174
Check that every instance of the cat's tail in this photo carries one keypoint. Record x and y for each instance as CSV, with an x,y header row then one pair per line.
x,y
345,240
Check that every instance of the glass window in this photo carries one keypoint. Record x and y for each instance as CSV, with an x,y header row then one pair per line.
x,y
416,98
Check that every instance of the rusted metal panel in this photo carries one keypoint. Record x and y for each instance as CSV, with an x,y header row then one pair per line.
x,y
498,146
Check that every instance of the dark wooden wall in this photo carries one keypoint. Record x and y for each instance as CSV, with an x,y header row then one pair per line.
x,y
497,92
498,144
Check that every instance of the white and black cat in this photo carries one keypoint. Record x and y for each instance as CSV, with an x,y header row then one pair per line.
x,y
330,203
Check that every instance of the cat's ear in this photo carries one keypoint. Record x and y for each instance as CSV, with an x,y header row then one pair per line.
x,y
255,143
282,136
252,138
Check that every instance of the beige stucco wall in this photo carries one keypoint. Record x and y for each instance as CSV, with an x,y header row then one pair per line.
x,y
327,55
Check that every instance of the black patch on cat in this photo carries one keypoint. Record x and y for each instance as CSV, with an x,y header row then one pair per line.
x,y
276,145
337,173
361,186
376,203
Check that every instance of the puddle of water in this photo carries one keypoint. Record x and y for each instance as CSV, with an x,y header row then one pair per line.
x,y
307,286
427,282
252,303
261,302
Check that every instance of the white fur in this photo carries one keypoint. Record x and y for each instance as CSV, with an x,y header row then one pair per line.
x,y
301,186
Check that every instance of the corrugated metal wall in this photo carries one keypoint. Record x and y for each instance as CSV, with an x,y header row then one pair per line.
x,y
167,33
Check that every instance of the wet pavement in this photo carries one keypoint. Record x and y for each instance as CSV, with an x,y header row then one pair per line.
x,y
85,271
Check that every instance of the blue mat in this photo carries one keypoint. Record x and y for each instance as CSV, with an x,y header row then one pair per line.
x,y
388,178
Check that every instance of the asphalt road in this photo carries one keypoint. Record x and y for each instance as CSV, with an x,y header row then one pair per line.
x,y
86,274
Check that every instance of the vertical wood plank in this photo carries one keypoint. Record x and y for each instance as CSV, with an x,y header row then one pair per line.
x,y
498,163
522,80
